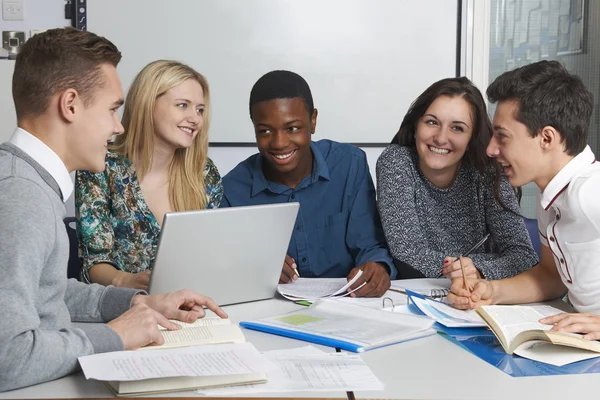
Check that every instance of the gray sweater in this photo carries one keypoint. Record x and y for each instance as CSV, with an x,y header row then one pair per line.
x,y
423,223
47,321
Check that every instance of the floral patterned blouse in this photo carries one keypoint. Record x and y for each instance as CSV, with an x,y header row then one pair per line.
x,y
114,223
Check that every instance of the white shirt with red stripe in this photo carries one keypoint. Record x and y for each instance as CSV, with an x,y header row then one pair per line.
x,y
569,224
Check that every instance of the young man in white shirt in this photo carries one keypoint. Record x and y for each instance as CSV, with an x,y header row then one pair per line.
x,y
67,93
540,135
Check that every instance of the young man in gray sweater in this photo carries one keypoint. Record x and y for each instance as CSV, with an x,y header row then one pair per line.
x,y
66,92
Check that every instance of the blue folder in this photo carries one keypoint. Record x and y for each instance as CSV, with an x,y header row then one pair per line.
x,y
325,341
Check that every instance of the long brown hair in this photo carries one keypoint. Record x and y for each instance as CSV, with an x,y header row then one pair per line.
x,y
475,154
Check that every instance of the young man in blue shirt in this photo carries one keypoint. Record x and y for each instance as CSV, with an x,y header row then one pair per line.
x,y
337,230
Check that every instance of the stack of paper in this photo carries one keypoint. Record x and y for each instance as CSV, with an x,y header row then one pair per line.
x,y
311,289
308,369
151,371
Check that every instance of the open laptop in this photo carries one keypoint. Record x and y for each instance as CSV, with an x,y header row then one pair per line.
x,y
233,255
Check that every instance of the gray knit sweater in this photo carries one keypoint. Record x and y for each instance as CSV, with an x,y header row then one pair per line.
x,y
423,223
38,341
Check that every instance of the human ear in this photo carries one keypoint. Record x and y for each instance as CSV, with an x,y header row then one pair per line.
x,y
68,104
313,121
549,138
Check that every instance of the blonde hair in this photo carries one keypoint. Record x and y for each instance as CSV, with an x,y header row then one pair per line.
x,y
186,172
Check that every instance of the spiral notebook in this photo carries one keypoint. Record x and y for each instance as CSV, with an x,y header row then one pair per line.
x,y
430,287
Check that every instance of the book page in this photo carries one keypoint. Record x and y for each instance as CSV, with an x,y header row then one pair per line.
x,y
194,335
513,320
210,360
199,322
546,352
308,369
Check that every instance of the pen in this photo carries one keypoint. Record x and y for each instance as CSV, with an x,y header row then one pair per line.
x,y
460,260
476,245
472,249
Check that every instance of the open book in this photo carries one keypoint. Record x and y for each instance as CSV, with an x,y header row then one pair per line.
x,y
202,331
519,331
345,326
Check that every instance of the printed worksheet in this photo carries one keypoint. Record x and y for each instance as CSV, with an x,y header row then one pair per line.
x,y
308,369
208,360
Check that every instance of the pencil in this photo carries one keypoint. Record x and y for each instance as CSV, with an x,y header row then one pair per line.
x,y
464,275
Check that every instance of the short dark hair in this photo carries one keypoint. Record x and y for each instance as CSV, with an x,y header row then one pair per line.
x,y
548,95
56,60
452,87
281,85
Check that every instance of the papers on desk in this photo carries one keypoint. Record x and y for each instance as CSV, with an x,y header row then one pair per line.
x,y
134,373
308,369
208,360
312,289
445,314
348,327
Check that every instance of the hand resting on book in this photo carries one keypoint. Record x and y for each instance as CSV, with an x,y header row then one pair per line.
x,y
138,326
585,323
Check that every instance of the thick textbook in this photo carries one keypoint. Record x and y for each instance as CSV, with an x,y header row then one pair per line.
x,y
348,327
519,331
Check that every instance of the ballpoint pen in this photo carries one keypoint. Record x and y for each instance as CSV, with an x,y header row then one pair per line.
x,y
472,249
460,261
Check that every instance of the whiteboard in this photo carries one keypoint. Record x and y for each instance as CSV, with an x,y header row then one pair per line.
x,y
365,60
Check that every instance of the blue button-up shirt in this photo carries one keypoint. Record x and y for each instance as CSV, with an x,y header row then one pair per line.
x,y
337,227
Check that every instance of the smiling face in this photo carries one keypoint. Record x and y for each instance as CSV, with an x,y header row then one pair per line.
x,y
283,129
512,145
442,135
96,124
178,115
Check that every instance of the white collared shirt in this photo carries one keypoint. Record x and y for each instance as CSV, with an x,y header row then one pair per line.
x,y
46,157
569,224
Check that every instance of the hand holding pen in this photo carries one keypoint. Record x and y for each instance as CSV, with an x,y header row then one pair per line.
x,y
462,267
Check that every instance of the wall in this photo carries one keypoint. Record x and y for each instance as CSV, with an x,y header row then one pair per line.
x,y
365,61
40,15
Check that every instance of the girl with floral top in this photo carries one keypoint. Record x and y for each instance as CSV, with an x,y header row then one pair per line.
x,y
158,165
